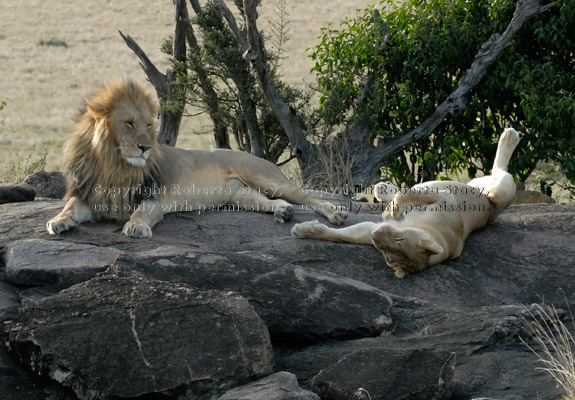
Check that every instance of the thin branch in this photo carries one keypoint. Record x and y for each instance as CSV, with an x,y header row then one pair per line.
x,y
229,16
255,53
158,79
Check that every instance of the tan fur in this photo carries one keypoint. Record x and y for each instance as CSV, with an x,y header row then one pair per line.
x,y
429,223
116,170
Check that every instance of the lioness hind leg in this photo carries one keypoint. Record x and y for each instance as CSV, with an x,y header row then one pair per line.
x,y
75,212
500,186
507,143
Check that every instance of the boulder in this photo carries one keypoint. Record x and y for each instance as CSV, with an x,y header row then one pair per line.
x,y
50,185
128,337
473,307
388,374
278,386
299,305
16,192
38,262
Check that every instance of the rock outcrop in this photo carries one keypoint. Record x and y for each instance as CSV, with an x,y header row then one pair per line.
x,y
16,192
51,185
227,305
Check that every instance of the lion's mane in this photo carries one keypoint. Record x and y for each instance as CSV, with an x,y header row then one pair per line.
x,y
94,166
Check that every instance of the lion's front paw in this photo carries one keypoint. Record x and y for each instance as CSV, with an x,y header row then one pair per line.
x,y
137,230
338,217
284,213
308,229
58,224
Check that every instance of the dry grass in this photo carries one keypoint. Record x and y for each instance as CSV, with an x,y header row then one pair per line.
x,y
556,347
54,53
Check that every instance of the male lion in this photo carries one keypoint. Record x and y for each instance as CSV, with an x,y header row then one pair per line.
x,y
117,170
428,224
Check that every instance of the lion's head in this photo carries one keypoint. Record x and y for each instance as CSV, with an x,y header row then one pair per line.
x,y
113,146
406,250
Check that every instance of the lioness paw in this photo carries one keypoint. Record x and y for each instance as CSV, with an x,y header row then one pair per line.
x,y
308,229
509,137
338,217
58,225
137,230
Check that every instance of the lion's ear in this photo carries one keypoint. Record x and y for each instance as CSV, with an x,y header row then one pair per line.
x,y
430,245
96,110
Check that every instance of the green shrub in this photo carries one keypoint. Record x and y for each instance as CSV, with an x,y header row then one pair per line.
x,y
416,51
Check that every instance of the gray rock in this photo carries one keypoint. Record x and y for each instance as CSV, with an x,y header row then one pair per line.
x,y
470,306
388,374
127,337
299,305
50,185
47,262
278,386
27,220
8,295
16,192
17,383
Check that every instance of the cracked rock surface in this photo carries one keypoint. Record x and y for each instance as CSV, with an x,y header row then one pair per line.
x,y
227,304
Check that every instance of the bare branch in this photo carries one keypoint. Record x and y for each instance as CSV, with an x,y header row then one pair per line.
x,y
169,120
157,79
256,55
240,35
456,102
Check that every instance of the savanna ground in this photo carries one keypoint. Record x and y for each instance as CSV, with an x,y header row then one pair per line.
x,y
54,53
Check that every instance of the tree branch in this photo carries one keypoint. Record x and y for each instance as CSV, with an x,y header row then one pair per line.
x,y
255,53
456,102
158,80
231,20
169,120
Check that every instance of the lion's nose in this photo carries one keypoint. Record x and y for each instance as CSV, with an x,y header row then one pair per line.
x,y
144,148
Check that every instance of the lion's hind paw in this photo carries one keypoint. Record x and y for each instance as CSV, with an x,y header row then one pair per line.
x,y
284,213
338,217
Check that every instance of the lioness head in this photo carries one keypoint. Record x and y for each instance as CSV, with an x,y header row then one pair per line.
x,y
123,114
406,250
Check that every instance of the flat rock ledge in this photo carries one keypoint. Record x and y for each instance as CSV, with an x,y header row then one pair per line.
x,y
226,305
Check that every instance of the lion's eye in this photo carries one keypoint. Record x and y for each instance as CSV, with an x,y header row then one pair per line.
x,y
130,124
149,126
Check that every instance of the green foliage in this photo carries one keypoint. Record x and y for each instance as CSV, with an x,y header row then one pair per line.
x,y
16,171
416,51
52,42
237,103
2,105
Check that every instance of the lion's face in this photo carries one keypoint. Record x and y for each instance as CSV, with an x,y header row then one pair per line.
x,y
120,116
133,131
405,249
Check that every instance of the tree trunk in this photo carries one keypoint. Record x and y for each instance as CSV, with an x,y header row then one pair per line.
x,y
221,135
169,120
257,57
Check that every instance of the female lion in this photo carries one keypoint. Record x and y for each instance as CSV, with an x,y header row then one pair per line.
x,y
428,224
